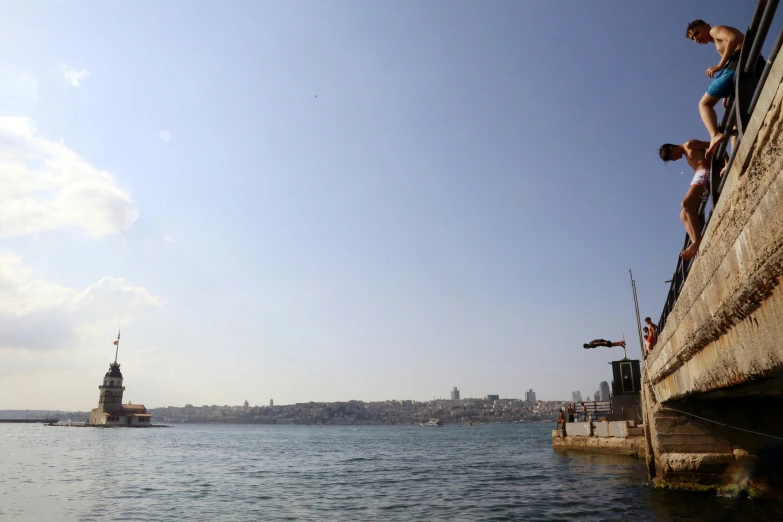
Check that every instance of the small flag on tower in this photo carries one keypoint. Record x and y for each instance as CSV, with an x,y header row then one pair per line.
x,y
116,342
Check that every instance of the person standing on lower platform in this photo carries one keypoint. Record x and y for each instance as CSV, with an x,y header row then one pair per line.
x,y
561,420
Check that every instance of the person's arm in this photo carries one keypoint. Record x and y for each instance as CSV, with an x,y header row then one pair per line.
x,y
732,38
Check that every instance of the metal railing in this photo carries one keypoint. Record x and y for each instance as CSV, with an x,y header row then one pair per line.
x,y
749,80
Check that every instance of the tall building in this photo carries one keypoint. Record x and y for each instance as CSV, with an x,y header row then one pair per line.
x,y
454,394
576,396
530,397
604,388
111,411
597,395
271,402
491,397
247,404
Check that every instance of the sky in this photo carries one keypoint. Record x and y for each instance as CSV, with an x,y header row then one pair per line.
x,y
337,200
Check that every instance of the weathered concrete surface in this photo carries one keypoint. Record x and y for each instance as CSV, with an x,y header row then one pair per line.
x,y
698,468
579,428
618,429
724,328
632,446
721,345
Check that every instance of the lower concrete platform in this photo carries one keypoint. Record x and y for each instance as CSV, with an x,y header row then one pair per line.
x,y
631,446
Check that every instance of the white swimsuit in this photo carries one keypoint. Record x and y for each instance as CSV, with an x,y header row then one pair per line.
x,y
701,177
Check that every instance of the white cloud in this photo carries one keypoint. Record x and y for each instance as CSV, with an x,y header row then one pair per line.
x,y
73,76
46,186
55,341
37,315
164,135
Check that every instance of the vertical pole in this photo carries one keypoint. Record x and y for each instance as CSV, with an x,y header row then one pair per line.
x,y
118,346
638,317
646,419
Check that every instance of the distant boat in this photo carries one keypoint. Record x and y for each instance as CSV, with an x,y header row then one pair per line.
x,y
433,423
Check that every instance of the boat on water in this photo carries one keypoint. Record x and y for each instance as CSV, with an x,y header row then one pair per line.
x,y
432,423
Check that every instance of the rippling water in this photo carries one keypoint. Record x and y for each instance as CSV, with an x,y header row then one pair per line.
x,y
487,472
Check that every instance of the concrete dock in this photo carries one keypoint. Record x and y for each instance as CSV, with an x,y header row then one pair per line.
x,y
616,438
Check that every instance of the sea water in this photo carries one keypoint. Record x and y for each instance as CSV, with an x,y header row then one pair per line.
x,y
252,472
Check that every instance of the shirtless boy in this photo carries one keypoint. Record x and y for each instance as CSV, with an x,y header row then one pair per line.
x,y
653,329
694,151
728,42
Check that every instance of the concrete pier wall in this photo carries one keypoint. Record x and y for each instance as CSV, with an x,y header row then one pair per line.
x,y
716,373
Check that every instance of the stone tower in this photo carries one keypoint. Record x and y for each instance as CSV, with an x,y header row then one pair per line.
x,y
111,389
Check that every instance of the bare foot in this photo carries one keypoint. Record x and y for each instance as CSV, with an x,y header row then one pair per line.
x,y
723,171
714,144
690,252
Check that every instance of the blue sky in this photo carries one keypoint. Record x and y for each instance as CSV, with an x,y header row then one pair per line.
x,y
341,200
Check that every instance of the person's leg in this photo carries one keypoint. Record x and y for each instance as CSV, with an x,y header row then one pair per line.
x,y
710,119
690,219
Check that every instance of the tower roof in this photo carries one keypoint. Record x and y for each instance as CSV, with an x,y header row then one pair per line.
x,y
114,370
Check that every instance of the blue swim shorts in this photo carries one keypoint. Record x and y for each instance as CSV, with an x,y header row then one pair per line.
x,y
722,85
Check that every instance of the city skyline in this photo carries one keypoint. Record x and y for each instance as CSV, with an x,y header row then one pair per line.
x,y
529,398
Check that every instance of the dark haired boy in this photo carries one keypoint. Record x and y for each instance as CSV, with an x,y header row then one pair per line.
x,y
694,151
728,41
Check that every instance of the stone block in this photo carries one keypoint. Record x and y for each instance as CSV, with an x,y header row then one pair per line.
x,y
557,433
635,432
601,429
618,429
578,429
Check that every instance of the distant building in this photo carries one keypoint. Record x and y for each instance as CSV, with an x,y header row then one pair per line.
x,y
492,397
576,396
271,402
604,388
597,395
111,411
530,397
247,404
454,394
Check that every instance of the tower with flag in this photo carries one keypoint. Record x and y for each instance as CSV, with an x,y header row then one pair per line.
x,y
111,411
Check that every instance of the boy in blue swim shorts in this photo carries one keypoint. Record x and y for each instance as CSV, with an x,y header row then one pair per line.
x,y
728,41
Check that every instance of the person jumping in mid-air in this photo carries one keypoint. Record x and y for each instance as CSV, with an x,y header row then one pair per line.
x,y
603,342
